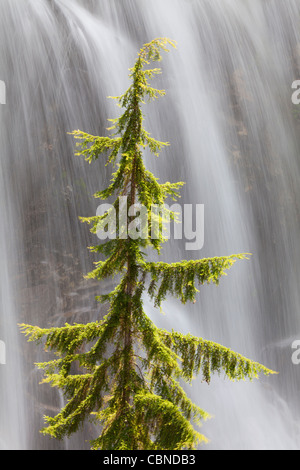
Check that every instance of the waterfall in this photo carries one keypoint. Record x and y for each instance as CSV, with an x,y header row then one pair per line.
x,y
233,130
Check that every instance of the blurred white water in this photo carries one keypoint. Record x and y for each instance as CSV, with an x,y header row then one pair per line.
x,y
234,139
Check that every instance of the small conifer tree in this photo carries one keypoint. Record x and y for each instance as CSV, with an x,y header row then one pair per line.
x,y
130,371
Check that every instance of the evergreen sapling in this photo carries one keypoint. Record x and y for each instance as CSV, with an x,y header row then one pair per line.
x,y
130,371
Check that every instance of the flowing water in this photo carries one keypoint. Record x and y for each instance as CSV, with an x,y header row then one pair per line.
x,y
234,139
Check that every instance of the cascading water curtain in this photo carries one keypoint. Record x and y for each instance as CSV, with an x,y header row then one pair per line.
x,y
234,135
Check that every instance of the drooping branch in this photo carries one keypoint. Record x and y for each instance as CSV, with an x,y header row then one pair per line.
x,y
182,278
